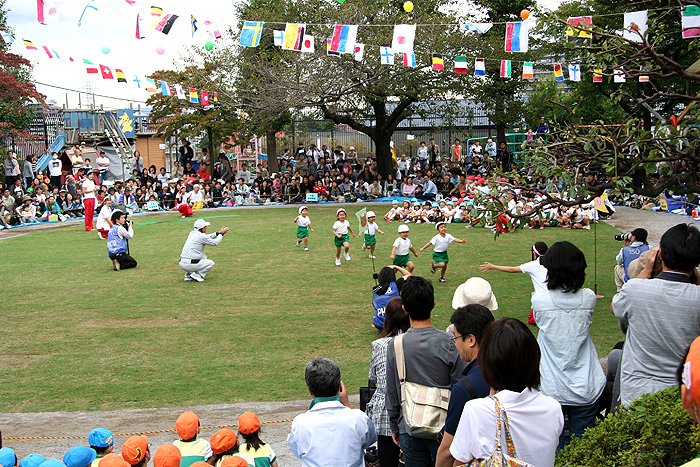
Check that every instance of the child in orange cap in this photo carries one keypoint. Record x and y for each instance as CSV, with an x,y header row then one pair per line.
x,y
136,452
224,444
689,381
113,460
191,448
249,428
167,456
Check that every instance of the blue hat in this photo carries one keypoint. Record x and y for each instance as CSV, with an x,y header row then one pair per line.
x,y
7,457
413,200
395,201
463,204
79,456
450,203
32,460
52,463
100,438
435,205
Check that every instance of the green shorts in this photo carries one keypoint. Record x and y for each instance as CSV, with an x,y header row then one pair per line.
x,y
457,220
440,257
302,232
339,241
553,222
370,240
401,260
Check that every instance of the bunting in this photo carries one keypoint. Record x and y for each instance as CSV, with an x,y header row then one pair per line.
x,y
574,73
139,27
438,62
505,69
165,89
106,72
409,60
558,73
150,85
293,36
517,36
278,37
359,51
180,92
90,66
479,28
205,98
29,44
344,37
480,67
635,26
166,23
579,36
46,12
690,19
120,76
194,98
251,33
528,70
461,65
619,75
328,49
598,75
404,36
386,55
193,22
308,44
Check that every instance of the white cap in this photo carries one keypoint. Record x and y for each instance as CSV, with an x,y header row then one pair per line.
x,y
340,210
301,208
371,214
199,224
403,228
475,290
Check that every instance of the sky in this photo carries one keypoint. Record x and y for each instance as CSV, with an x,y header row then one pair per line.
x,y
112,28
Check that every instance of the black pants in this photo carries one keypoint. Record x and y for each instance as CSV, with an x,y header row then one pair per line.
x,y
388,452
125,261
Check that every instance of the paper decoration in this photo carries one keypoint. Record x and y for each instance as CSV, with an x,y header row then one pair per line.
x,y
46,11
251,33
574,72
139,27
343,39
438,62
166,23
165,89
278,37
479,28
7,37
600,203
51,53
359,51
643,78
293,36
156,13
528,70
90,6
619,75
216,98
558,74
404,35
409,60
106,72
29,44
598,75
193,23
387,55
137,81
308,44
461,65
150,85
517,36
194,98
90,66
578,36
180,92
205,98
480,67
328,49
635,24
690,18
506,71
120,75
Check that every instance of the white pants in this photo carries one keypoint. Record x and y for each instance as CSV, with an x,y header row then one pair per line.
x,y
203,267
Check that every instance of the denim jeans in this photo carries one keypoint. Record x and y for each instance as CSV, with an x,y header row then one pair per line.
x,y
577,418
417,452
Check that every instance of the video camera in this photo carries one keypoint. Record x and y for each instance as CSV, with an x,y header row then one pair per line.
x,y
620,237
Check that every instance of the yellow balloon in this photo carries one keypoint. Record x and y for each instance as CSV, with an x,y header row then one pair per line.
x,y
408,6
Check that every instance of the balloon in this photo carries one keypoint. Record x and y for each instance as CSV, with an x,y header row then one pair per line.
x,y
160,50
408,6
525,14
209,45
105,49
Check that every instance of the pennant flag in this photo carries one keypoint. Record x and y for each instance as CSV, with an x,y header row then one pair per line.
x,y
643,78
90,5
579,36
438,62
166,22
50,52
29,45
205,98
194,98
598,75
278,37
387,55
328,49
251,33
558,73
479,28
137,81
409,60
293,36
150,85
361,218
600,203
139,27
165,89
131,2
217,34
619,75
517,36
156,13
635,25
690,17
480,67
308,44
528,70
574,73
404,35
193,22
461,65
90,67
343,40
180,92
46,12
216,97
505,69
106,72
359,51
120,76
7,37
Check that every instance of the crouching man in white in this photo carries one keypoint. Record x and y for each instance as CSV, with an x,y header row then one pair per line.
x,y
192,259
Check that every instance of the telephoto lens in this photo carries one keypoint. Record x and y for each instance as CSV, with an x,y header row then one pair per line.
x,y
621,237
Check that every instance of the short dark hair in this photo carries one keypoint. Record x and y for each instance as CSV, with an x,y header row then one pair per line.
x,y
472,319
680,247
509,356
418,297
640,235
386,274
395,319
116,215
322,377
566,267
540,248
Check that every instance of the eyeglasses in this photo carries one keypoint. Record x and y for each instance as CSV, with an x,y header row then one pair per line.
x,y
455,337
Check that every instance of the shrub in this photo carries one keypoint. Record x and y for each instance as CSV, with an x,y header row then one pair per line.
x,y
653,431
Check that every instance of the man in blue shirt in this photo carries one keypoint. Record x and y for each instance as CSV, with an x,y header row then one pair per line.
x,y
631,250
429,188
118,242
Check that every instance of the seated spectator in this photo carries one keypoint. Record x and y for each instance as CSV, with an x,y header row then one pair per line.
x,y
191,448
249,429
163,176
375,190
408,188
203,173
102,441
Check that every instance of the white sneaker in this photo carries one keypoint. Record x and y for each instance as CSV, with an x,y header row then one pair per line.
x,y
347,256
187,277
197,277
306,248
337,261
298,244
372,257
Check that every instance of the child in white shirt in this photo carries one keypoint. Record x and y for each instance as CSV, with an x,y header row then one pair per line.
x,y
303,227
441,241
402,247
370,238
340,231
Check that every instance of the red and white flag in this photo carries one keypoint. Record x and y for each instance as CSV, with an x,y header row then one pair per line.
x,y
106,72
205,98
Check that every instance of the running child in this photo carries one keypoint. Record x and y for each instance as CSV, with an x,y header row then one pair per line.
x,y
340,231
402,247
370,239
441,241
303,227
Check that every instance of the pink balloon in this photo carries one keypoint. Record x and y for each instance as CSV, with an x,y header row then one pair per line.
x,y
160,50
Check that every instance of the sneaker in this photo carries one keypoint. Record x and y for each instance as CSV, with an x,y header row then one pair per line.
x,y
588,227
364,247
306,248
347,256
187,277
432,267
418,222
406,221
442,279
542,227
337,261
298,244
197,277
372,257
116,264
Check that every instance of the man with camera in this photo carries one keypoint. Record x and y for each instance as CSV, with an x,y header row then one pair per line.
x,y
118,242
633,245
192,259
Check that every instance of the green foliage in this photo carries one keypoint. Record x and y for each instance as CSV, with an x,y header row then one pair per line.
x,y
654,431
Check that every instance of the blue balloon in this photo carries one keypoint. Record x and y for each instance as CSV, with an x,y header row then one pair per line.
x,y
105,49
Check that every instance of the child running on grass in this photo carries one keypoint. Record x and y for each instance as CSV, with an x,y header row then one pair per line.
x,y
402,246
249,429
441,241
303,227
340,230
370,239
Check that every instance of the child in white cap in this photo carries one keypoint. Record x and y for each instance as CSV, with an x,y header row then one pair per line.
x,y
303,227
400,251
342,239
370,238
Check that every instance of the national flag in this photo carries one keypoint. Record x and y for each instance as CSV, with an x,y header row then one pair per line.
x,y
506,71
619,75
517,36
193,22
139,27
278,37
293,36
690,18
404,35
137,81
574,72
386,54
29,44
251,33
558,73
120,76
328,49
90,5
205,98
343,39
180,92
528,70
194,98
217,34
156,13
50,52
359,51
90,67
106,72
409,60
308,44
635,25
46,12
579,36
131,2
461,65
216,98
438,62
166,22
165,88
479,28
643,78
598,75
480,67
150,85
7,37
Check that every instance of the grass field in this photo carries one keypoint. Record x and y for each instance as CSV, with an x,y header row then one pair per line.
x,y
80,336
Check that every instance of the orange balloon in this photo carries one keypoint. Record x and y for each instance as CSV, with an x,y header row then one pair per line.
x,y
525,14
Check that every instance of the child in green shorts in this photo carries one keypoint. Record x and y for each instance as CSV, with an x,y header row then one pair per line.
x,y
340,230
303,227
441,241
402,246
370,239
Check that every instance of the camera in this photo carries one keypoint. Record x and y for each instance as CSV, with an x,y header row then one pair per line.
x,y
622,237
375,275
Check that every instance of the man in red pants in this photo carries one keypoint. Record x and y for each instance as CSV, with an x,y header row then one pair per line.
x,y
89,195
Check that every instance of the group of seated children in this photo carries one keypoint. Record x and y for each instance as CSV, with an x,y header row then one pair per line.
x,y
428,212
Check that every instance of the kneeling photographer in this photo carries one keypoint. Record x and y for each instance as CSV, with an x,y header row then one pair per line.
x,y
633,245
388,287
118,242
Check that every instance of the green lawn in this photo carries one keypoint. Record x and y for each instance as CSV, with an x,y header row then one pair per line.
x,y
80,336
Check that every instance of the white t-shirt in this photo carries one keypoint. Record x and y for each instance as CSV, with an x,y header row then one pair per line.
x,y
441,243
88,185
538,274
55,166
103,217
303,221
403,246
474,438
195,196
371,228
341,228
102,163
